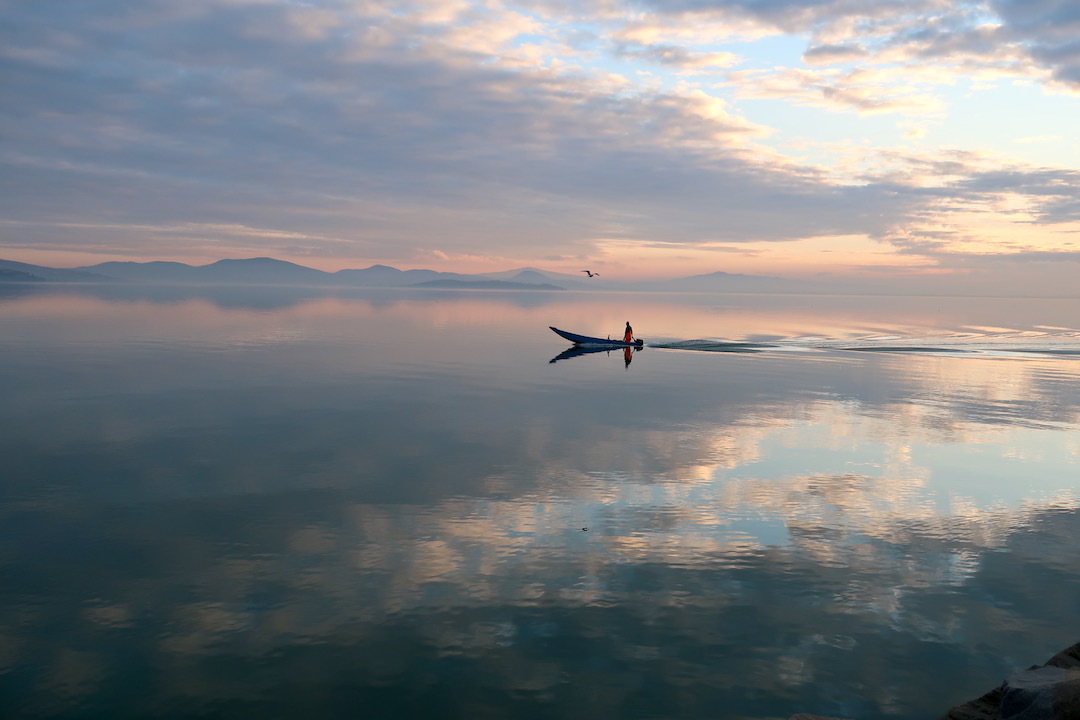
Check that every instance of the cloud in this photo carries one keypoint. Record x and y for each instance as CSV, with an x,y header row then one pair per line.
x,y
346,127
1003,37
676,56
383,129
866,92
798,16
829,54
1048,30
1053,195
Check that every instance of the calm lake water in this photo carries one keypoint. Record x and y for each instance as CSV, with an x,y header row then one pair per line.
x,y
231,503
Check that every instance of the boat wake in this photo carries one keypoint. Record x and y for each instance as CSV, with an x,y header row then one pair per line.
x,y
728,346
995,344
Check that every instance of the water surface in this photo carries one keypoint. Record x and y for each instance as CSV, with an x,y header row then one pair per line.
x,y
236,503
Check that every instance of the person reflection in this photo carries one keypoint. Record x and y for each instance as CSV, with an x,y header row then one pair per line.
x,y
628,355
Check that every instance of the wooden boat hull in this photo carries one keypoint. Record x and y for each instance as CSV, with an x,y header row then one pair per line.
x,y
586,340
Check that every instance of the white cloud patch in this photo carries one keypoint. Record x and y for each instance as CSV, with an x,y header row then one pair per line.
x,y
863,91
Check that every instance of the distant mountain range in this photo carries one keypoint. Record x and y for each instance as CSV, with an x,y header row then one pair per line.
x,y
268,271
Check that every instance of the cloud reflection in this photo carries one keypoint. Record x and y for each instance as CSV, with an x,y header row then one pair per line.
x,y
247,527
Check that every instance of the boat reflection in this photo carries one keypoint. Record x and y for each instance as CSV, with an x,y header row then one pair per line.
x,y
579,350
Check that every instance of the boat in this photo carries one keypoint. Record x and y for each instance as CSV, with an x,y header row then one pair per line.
x,y
586,340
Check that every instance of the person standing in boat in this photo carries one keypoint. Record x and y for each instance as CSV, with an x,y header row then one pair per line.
x,y
628,336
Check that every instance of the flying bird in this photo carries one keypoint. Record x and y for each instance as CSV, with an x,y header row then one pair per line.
x,y
590,273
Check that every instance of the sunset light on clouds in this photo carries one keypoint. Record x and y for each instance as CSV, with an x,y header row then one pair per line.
x,y
911,141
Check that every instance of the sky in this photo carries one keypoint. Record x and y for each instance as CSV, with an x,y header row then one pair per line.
x,y
911,143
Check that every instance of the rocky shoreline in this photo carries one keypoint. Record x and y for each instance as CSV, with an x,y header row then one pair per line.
x,y
1042,692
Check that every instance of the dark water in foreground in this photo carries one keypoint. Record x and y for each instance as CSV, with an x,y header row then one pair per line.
x,y
228,504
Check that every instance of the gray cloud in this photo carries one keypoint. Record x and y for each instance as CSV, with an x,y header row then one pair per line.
x,y
224,114
673,55
1056,193
834,53
374,135
796,15
1042,32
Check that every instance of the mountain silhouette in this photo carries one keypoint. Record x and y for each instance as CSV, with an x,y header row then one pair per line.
x,y
270,271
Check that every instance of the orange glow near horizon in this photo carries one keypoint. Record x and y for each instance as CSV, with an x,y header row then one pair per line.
x,y
844,255
851,256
